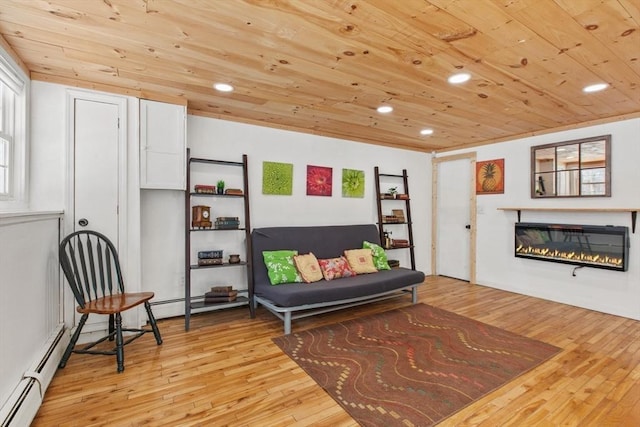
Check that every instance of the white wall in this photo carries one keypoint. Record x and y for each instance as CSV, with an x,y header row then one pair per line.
x,y
603,290
48,146
163,211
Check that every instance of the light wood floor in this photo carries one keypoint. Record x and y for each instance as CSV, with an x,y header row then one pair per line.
x,y
227,372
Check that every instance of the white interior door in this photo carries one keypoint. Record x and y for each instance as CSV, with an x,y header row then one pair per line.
x,y
454,222
96,167
97,177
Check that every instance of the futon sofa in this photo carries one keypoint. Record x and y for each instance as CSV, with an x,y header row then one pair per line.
x,y
291,301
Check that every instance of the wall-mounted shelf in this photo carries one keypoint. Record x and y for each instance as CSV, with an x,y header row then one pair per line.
x,y
633,211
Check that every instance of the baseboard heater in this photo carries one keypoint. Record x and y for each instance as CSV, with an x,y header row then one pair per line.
x,y
23,404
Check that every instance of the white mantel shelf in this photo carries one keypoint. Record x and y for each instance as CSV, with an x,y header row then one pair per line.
x,y
634,212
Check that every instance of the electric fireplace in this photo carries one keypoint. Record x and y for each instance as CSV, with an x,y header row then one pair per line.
x,y
599,246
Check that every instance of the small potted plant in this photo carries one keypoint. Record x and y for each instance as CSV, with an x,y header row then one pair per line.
x,y
393,191
220,187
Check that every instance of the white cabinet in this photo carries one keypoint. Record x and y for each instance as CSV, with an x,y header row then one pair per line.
x,y
162,145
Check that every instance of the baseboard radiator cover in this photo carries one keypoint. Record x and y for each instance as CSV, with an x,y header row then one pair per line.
x,y
23,404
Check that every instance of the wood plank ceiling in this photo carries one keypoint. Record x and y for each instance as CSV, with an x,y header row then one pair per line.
x,y
323,66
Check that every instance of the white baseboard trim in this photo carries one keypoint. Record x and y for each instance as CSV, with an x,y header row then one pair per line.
x,y
23,404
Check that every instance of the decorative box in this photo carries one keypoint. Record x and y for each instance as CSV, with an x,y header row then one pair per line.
x,y
234,191
205,189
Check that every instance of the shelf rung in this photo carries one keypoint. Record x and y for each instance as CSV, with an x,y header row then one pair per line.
x,y
215,162
224,264
239,301
389,175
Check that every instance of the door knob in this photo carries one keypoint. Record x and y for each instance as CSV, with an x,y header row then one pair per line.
x,y
83,222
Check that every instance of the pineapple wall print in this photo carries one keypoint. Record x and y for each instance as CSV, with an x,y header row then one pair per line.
x,y
489,177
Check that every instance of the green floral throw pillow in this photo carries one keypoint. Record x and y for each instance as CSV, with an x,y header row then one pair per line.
x,y
280,267
379,255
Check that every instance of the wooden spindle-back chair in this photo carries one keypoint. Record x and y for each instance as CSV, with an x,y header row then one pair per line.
x,y
91,266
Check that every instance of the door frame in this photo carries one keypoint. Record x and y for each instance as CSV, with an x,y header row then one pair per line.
x,y
70,218
435,162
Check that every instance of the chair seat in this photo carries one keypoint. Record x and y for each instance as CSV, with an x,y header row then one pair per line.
x,y
115,303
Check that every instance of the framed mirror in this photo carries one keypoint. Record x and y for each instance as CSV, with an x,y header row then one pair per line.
x,y
578,168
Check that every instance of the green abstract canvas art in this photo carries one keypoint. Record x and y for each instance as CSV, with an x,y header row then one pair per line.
x,y
352,183
277,178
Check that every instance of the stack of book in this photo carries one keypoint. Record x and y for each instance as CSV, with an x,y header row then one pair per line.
x,y
227,222
399,243
399,214
393,263
219,294
391,219
210,257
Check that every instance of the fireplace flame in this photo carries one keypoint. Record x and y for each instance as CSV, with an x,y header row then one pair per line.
x,y
587,258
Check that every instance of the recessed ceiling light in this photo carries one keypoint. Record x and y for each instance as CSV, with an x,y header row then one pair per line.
x,y
384,109
459,78
223,87
595,87
426,131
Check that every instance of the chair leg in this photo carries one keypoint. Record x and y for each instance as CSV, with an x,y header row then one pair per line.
x,y
152,321
111,327
72,343
119,343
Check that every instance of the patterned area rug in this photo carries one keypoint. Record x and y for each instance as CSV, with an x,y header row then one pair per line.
x,y
412,366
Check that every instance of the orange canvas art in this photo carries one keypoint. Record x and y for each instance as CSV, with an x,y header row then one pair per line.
x,y
490,177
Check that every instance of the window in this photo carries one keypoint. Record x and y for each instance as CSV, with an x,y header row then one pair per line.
x,y
13,143
6,138
580,168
